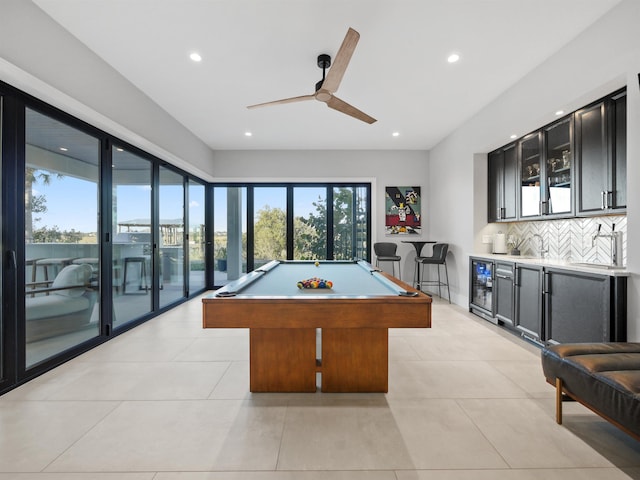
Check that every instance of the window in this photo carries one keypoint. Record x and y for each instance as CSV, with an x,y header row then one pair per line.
x,y
288,221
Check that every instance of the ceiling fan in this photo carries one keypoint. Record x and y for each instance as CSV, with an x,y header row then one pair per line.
x,y
329,84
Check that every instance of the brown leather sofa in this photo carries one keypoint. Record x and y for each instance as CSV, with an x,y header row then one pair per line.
x,y
604,377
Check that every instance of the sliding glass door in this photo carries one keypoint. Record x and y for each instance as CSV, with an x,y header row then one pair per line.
x,y
132,251
196,241
62,281
269,225
171,207
3,378
350,222
310,223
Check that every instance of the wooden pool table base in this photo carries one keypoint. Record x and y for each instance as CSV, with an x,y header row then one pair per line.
x,y
353,320
353,360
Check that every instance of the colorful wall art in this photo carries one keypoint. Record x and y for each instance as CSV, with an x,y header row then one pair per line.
x,y
402,211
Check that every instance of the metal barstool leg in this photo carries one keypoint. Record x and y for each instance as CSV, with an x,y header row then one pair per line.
x,y
446,271
439,282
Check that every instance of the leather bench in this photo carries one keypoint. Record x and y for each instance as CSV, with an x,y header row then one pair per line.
x,y
604,377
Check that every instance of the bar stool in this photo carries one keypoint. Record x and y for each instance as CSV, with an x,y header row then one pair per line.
x,y
55,264
141,262
439,257
94,263
386,252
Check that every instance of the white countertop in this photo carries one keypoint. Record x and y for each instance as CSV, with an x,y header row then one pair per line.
x,y
550,262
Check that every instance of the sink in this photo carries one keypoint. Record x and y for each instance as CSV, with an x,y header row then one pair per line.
x,y
596,265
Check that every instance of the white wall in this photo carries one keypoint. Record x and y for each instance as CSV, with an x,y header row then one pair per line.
x,y
41,58
380,167
603,58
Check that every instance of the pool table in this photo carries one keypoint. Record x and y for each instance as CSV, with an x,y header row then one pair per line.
x,y
347,324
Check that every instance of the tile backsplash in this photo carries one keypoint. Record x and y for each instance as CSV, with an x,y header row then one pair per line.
x,y
571,239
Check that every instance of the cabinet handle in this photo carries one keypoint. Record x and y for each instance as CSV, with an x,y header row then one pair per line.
x,y
544,210
498,216
607,203
545,284
602,207
506,277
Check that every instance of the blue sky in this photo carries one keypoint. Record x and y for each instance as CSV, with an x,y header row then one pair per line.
x,y
72,203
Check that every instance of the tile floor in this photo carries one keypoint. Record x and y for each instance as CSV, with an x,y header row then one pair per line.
x,y
170,401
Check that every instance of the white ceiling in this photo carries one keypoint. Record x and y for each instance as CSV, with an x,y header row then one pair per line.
x,y
260,50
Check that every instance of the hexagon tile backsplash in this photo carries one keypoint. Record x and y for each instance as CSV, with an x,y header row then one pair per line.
x,y
571,239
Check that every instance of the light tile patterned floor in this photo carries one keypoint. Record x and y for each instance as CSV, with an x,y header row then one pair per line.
x,y
170,401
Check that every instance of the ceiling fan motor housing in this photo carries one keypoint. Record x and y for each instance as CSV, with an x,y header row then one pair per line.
x,y
324,62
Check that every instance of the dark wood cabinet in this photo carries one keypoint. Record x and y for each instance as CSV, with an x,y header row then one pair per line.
x,y
504,292
601,131
582,307
574,166
619,153
591,154
558,181
528,302
531,175
547,304
503,192
546,171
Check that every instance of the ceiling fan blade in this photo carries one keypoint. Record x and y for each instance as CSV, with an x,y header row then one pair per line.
x,y
344,107
341,61
301,98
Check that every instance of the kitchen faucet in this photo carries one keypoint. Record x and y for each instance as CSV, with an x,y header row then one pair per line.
x,y
541,249
616,243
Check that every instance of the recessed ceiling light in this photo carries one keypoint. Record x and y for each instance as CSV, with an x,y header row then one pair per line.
x,y
396,134
559,112
248,134
64,149
195,57
453,58
120,149
514,136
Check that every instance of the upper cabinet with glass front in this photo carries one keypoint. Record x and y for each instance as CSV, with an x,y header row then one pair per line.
x,y
574,166
558,146
545,171
531,173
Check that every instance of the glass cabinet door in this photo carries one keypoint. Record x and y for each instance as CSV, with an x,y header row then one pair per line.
x,y
559,161
530,174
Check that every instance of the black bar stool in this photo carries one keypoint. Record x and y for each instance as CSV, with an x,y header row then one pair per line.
x,y
439,257
386,252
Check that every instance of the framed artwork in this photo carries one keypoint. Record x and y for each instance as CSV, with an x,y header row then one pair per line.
x,y
402,211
